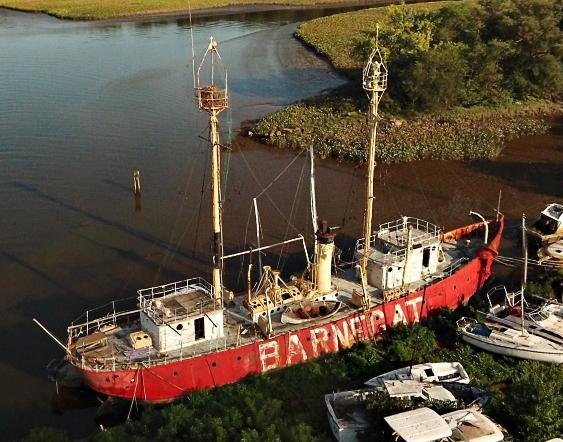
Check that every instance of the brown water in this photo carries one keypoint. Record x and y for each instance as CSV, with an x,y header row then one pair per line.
x,y
81,105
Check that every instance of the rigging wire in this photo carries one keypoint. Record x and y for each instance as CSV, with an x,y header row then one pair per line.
x,y
292,212
263,192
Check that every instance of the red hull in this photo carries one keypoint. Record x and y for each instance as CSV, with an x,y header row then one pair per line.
x,y
164,383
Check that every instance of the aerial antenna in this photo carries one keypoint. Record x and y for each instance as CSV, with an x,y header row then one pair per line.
x,y
374,82
313,195
213,98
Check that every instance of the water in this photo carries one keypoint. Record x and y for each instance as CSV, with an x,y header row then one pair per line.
x,y
83,104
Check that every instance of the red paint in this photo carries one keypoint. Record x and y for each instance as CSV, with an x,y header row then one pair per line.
x,y
167,382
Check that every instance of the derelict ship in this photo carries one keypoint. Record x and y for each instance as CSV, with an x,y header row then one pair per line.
x,y
190,334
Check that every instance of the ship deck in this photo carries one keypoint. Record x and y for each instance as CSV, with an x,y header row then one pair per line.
x,y
111,349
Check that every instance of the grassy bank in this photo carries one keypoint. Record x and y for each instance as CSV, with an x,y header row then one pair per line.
x,y
463,80
108,9
336,36
337,128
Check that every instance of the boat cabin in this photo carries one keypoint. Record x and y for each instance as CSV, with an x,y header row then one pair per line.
x,y
180,314
401,252
551,220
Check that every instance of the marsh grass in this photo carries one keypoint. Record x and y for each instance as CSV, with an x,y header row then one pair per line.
x,y
337,128
106,9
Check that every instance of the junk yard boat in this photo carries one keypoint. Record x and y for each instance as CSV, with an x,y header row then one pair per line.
x,y
190,335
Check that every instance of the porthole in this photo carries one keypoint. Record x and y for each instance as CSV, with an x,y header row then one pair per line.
x,y
179,327
175,373
214,364
238,358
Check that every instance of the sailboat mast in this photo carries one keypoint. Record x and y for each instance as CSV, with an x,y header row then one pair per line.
x,y
213,99
525,274
375,84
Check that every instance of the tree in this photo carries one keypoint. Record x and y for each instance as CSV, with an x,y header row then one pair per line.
x,y
437,80
533,403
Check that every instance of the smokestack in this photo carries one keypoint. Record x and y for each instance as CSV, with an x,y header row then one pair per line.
x,y
323,253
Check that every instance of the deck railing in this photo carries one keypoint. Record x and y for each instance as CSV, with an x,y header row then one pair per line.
x,y
162,291
422,230
111,313
159,316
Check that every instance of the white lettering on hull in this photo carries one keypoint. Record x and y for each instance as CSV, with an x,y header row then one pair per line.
x,y
399,316
319,341
269,355
412,303
295,348
332,337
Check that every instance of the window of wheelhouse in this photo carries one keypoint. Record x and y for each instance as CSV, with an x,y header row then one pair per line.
x,y
199,327
426,257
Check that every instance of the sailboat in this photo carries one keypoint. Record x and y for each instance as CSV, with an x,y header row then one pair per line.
x,y
191,334
544,319
507,338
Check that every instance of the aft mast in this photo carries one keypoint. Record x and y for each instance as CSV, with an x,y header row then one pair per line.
x,y
374,83
213,98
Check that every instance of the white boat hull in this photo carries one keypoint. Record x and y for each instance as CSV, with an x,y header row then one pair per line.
x,y
514,351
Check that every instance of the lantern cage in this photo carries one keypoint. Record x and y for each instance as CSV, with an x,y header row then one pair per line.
x,y
212,93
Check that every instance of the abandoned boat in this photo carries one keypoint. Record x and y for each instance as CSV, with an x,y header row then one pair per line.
x,y
544,319
425,425
428,372
190,334
549,227
347,412
508,341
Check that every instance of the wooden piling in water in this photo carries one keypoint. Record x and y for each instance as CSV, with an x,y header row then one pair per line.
x,y
136,182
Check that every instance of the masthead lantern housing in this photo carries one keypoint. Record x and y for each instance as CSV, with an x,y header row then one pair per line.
x,y
375,74
211,81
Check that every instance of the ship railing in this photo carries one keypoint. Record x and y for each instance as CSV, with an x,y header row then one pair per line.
x,y
455,265
112,313
122,363
162,291
160,317
149,295
422,231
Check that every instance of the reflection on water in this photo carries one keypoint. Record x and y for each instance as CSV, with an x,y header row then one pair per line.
x,y
83,104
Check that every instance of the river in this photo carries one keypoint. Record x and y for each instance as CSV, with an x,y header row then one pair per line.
x,y
83,104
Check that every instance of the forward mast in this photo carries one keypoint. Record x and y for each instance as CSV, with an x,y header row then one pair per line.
x,y
374,82
212,97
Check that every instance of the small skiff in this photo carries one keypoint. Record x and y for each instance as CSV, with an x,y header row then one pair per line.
x,y
301,312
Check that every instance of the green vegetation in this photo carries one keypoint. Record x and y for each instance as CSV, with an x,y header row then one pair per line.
x,y
338,129
288,405
107,9
464,77
548,285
